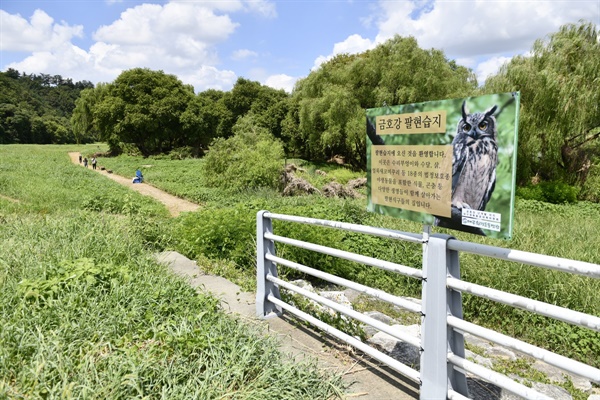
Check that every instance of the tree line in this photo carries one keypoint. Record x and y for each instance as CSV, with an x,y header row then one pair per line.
x,y
152,112
36,108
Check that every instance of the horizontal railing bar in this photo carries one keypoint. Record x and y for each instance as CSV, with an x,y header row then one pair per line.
x,y
549,357
374,262
525,303
376,293
365,348
347,311
496,378
386,233
538,260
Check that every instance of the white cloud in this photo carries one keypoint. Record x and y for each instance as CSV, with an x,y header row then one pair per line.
x,y
156,25
477,28
489,67
281,81
68,61
243,54
263,7
207,77
40,33
320,60
176,37
352,45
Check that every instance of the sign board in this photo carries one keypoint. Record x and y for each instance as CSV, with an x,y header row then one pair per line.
x,y
447,163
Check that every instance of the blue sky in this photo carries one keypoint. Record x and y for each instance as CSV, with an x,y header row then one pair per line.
x,y
209,44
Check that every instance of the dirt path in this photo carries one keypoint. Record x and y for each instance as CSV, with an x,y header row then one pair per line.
x,y
174,204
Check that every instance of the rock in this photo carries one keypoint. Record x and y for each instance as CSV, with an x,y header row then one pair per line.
x,y
482,390
476,341
338,297
298,186
369,330
399,350
320,172
357,183
594,397
335,189
381,317
304,285
582,384
337,159
291,168
498,352
476,358
351,294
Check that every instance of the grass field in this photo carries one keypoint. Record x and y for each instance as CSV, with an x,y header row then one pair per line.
x,y
87,313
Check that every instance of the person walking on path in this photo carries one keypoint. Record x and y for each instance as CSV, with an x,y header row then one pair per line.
x,y
93,162
79,158
85,162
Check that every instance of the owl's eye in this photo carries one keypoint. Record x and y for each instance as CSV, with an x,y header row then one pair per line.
x,y
483,125
466,128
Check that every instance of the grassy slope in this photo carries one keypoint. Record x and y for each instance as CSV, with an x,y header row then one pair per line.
x,y
87,313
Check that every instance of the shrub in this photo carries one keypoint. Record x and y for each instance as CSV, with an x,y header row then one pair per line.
x,y
559,192
252,158
555,192
531,193
229,232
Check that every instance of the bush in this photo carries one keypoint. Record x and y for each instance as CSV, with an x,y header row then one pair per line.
x,y
555,192
559,192
531,193
252,158
229,233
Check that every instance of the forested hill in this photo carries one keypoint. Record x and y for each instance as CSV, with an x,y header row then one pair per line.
x,y
37,108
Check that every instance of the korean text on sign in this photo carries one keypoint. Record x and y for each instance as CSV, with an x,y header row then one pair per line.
x,y
413,123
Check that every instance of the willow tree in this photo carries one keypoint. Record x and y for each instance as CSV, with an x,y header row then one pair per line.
x,y
560,103
82,119
332,100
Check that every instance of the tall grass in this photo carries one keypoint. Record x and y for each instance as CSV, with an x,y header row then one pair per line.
x,y
87,313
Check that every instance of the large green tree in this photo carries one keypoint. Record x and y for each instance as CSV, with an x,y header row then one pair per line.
x,y
330,102
144,108
560,103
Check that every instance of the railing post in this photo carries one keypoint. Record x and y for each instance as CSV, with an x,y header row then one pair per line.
x,y
456,340
264,288
436,337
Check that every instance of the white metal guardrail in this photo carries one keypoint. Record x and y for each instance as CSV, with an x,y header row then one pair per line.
x,y
443,364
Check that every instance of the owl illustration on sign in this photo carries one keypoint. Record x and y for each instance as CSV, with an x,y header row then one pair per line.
x,y
474,161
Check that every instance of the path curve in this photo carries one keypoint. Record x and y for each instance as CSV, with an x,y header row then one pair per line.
x,y
174,204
